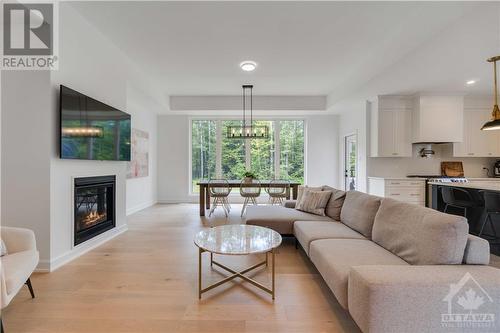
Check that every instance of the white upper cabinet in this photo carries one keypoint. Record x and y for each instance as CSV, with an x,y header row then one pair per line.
x,y
438,119
391,126
477,143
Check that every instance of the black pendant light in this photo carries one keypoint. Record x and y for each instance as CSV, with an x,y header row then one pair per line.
x,y
247,130
494,124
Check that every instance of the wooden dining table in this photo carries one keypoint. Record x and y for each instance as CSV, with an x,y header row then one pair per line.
x,y
205,193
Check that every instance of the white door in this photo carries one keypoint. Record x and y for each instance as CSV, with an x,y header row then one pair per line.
x,y
351,162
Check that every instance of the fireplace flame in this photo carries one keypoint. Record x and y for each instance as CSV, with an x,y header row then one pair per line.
x,y
93,218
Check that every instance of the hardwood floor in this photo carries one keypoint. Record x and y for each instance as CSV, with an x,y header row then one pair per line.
x,y
145,280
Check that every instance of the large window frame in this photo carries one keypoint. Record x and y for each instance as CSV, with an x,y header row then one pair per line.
x,y
220,134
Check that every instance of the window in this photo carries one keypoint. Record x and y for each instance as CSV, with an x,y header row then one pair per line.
x,y
292,150
281,156
203,145
262,153
232,154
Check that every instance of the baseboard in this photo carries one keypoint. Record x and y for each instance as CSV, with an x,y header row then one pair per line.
x,y
140,207
45,266
168,201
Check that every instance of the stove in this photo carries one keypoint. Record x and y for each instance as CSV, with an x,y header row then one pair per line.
x,y
441,179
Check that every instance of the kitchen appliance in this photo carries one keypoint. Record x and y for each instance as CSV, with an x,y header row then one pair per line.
x,y
496,169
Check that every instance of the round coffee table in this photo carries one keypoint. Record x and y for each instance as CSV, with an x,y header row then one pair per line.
x,y
237,239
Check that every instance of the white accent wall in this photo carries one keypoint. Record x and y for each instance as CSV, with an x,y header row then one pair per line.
x,y
173,158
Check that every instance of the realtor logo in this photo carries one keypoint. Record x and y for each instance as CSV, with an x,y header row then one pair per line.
x,y
29,35
468,305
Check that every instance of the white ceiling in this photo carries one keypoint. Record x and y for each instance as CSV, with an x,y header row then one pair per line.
x,y
302,48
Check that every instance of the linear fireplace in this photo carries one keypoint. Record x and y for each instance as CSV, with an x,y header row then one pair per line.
x,y
94,207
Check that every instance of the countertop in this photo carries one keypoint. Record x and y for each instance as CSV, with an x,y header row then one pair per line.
x,y
494,185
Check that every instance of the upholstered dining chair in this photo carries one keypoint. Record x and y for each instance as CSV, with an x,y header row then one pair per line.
x,y
17,264
250,191
278,191
219,190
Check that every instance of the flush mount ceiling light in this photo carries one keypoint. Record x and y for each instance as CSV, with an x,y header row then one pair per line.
x,y
470,82
248,65
494,124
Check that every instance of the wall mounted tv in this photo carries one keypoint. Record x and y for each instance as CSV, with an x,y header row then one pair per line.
x,y
92,130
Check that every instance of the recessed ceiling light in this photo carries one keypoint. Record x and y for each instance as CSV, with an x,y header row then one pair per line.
x,y
248,65
470,82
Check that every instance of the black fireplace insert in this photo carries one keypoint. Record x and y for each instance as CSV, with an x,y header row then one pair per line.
x,y
94,207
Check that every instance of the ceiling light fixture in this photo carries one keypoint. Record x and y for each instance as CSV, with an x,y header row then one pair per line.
x,y
494,124
470,82
247,130
248,65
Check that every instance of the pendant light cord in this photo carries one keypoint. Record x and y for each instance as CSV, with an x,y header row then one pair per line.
x,y
495,78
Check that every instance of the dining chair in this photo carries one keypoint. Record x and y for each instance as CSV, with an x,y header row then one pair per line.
x,y
219,190
278,191
250,190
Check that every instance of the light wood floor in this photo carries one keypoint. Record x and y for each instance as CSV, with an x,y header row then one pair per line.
x,y
146,281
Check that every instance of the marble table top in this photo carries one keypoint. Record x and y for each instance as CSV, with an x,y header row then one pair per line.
x,y
237,239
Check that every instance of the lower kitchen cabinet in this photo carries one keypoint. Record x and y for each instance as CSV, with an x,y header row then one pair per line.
x,y
401,189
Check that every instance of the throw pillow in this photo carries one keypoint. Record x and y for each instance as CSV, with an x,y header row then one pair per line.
x,y
314,202
3,248
334,206
303,188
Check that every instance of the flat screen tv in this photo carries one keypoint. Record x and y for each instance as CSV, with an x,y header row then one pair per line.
x,y
92,130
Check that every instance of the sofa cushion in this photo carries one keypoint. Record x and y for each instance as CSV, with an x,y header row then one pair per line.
x,y
334,206
412,299
477,251
314,202
279,218
308,231
359,210
18,268
420,235
334,259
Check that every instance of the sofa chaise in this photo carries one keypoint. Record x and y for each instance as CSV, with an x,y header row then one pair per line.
x,y
398,267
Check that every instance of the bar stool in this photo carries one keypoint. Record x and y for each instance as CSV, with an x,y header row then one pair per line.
x,y
219,189
250,191
492,208
278,191
458,198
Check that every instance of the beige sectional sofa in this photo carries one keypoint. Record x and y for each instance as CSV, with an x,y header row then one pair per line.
x,y
397,267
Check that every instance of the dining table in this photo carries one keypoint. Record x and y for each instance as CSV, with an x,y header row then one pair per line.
x,y
293,187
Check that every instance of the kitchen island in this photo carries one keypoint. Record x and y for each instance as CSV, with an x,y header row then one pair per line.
x,y
475,214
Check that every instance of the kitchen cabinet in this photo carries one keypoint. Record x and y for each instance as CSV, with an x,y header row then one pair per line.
x,y
401,189
390,123
477,143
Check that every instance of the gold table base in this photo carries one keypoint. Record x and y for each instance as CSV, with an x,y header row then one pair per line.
x,y
236,274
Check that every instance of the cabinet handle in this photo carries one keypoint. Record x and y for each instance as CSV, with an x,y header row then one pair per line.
x,y
395,154
395,183
470,154
395,194
415,194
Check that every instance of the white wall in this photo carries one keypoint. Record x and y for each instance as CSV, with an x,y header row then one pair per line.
x,y
174,150
354,121
36,184
26,153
